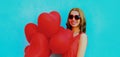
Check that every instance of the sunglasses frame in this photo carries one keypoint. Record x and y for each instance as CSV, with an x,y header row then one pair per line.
x,y
77,17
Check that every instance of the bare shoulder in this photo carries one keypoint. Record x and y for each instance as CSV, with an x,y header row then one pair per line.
x,y
83,36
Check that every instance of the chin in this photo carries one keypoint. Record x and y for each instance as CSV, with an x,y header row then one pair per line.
x,y
74,26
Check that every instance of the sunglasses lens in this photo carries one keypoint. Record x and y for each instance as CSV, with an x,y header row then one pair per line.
x,y
70,16
77,17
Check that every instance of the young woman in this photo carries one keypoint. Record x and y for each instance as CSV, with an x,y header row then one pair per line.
x,y
76,22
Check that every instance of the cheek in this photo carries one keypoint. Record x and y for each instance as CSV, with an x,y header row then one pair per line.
x,y
79,21
69,21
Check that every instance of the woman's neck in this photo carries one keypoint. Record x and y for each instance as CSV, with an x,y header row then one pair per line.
x,y
76,31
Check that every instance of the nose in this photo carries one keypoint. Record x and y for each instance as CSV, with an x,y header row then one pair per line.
x,y
73,19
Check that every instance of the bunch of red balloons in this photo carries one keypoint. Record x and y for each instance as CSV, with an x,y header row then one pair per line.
x,y
48,36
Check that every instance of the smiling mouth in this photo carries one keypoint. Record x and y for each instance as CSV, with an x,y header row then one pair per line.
x,y
74,23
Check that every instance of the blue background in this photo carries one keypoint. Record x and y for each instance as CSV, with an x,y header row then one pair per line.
x,y
102,16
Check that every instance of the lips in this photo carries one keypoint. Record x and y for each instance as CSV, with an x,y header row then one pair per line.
x,y
73,23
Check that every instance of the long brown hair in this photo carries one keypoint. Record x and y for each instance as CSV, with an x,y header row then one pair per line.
x,y
82,25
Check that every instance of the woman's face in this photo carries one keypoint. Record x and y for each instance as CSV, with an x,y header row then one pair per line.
x,y
74,19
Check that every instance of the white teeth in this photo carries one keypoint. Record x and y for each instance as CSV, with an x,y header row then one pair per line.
x,y
73,23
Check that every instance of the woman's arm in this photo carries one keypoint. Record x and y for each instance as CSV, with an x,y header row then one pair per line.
x,y
82,45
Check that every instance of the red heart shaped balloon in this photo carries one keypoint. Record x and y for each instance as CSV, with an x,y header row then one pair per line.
x,y
38,46
49,23
30,29
61,41
26,48
56,15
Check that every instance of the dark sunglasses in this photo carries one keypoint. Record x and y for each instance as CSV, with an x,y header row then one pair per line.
x,y
76,17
